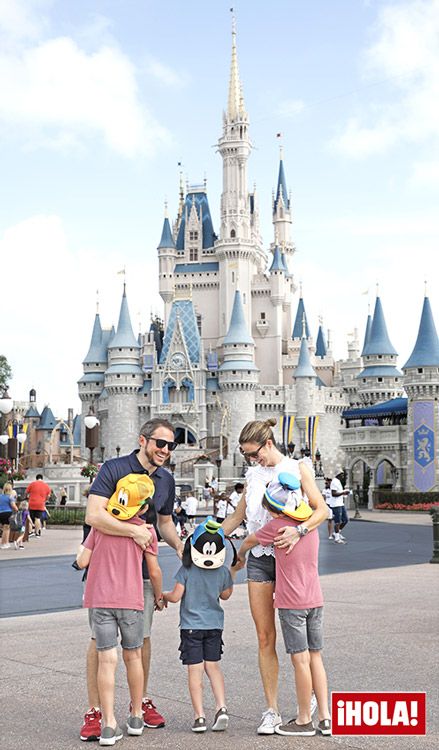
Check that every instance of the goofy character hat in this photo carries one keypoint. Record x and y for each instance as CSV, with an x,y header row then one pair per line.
x,y
284,495
206,547
132,493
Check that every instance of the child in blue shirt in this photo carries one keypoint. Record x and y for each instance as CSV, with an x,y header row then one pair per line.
x,y
201,582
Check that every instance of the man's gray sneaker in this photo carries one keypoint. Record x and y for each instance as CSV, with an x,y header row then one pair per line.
x,y
110,736
221,720
270,719
291,728
324,726
135,725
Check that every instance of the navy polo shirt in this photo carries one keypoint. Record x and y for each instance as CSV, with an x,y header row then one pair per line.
x,y
114,469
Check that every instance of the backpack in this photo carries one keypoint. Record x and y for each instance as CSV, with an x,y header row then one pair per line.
x,y
16,520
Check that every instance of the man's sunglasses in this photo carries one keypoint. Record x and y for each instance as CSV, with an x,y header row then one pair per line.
x,y
160,443
253,455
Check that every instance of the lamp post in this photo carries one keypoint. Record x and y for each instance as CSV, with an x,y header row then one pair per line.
x,y
91,432
218,462
117,450
14,438
172,467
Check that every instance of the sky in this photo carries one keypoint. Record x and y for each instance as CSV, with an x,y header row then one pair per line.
x,y
100,101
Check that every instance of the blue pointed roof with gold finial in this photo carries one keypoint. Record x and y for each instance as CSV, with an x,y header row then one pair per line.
x,y
124,337
167,240
238,331
367,333
281,187
426,351
298,323
321,348
304,367
277,264
379,342
95,352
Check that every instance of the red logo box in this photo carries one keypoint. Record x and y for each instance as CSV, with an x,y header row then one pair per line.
x,y
378,713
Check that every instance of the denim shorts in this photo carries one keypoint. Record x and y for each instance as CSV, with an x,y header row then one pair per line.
x,y
261,569
302,629
106,623
197,646
340,514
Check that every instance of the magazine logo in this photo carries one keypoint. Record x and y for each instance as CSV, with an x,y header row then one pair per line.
x,y
378,713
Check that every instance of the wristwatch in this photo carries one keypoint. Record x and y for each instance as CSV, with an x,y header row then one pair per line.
x,y
302,530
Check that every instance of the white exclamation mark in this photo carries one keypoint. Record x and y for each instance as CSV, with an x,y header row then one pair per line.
x,y
414,713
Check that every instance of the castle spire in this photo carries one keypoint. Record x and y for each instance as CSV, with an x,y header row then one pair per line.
x,y
426,351
235,105
124,337
379,341
300,320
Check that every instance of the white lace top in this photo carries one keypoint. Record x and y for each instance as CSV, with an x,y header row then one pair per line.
x,y
256,480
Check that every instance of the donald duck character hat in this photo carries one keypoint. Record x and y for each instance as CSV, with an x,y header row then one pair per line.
x,y
284,495
132,493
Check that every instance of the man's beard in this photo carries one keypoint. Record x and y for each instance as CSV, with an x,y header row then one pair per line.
x,y
151,459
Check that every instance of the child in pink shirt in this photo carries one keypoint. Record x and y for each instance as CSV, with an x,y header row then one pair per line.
x,y
298,598
114,595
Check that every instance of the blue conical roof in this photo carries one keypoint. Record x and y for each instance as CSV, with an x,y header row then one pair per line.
x,y
298,323
277,264
95,352
167,239
321,347
32,412
426,351
124,337
47,419
304,367
285,265
367,334
281,188
379,342
238,332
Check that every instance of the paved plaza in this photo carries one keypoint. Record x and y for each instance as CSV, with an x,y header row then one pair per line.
x,y
380,634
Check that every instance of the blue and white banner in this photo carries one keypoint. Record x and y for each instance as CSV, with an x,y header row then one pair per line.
x,y
424,445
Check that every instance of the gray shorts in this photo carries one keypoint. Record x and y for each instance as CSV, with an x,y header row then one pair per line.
x,y
261,569
106,623
148,611
302,629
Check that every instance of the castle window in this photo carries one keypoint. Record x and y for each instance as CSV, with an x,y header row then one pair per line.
x,y
380,356
193,253
233,277
232,234
199,323
193,236
262,316
364,380
420,370
244,298
380,380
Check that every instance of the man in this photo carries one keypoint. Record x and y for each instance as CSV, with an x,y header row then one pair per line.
x,y
327,496
339,511
190,505
37,493
234,498
156,441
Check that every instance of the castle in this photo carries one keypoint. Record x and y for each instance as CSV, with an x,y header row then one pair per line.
x,y
236,345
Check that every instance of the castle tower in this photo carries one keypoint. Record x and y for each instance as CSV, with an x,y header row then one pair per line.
x,y
167,253
305,385
421,381
238,255
123,379
379,380
282,216
91,384
237,376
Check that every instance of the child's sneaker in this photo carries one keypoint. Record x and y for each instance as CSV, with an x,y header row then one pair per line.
x,y
324,726
110,736
199,725
91,728
270,719
221,720
291,728
135,725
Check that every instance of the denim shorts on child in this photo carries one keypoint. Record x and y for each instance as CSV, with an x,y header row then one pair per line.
x,y
302,629
197,646
261,569
106,623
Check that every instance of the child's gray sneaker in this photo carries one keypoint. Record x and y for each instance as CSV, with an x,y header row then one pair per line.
x,y
199,725
110,736
324,726
221,720
135,725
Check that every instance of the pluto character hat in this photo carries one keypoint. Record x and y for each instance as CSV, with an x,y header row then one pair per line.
x,y
284,495
206,547
132,493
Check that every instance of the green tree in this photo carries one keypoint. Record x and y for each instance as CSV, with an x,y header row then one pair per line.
x,y
5,372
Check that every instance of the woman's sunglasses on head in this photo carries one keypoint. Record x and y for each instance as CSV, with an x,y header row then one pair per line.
x,y
160,443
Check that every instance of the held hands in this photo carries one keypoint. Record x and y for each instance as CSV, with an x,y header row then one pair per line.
x,y
287,538
240,563
160,603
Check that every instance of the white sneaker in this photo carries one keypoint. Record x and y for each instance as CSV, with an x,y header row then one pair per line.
x,y
5,546
340,541
270,720
312,706
342,537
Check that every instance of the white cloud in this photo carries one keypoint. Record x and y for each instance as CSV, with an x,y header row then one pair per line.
x,y
52,305
60,89
290,108
22,19
164,74
426,174
405,59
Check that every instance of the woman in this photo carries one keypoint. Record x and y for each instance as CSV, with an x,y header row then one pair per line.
x,y
258,446
7,507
